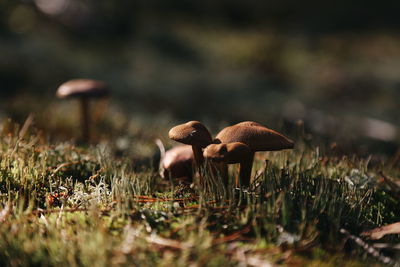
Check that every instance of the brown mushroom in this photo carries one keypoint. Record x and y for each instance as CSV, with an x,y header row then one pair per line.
x,y
192,133
249,123
84,89
231,153
257,137
177,162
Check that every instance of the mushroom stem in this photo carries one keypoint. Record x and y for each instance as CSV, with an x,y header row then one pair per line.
x,y
198,155
245,171
85,120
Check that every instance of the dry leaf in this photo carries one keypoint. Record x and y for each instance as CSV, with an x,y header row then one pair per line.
x,y
379,232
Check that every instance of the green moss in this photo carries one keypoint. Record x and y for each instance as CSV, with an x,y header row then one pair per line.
x,y
104,213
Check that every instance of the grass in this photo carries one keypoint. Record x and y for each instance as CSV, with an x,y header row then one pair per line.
x,y
81,206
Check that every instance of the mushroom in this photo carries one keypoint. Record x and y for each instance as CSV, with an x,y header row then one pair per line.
x,y
231,153
176,162
192,133
257,137
249,123
83,89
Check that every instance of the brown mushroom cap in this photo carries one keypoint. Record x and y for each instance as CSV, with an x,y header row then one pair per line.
x,y
178,153
230,153
82,88
177,162
249,123
256,136
191,133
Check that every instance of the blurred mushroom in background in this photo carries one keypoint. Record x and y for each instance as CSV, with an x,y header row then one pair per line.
x,y
84,90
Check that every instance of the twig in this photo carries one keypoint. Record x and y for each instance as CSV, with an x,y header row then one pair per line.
x,y
164,242
232,237
26,126
386,246
369,249
65,164
144,199
392,184
22,132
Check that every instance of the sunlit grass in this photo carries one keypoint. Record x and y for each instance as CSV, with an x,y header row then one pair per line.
x,y
73,206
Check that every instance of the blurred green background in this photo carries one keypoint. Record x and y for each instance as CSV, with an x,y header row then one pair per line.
x,y
334,66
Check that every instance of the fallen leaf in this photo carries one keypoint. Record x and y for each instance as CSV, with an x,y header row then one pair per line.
x,y
380,232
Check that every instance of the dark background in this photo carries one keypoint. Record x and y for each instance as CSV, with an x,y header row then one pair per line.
x,y
335,66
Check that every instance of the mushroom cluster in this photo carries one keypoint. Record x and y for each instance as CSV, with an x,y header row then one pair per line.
x,y
234,144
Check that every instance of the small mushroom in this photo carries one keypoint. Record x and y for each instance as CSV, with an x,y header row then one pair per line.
x,y
257,137
84,89
231,153
192,133
177,162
